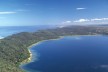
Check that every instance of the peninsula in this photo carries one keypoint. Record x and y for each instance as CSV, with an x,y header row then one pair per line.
x,y
14,48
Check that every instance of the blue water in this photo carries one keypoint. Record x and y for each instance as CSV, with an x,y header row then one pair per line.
x,y
70,54
9,30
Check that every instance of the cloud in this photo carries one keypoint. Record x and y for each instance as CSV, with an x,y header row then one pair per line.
x,y
12,12
99,19
96,19
91,20
67,22
86,21
82,20
7,12
80,8
105,18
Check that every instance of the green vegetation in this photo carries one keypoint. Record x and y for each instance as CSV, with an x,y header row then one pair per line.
x,y
13,49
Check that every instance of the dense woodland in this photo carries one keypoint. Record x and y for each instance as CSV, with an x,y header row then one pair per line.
x,y
13,49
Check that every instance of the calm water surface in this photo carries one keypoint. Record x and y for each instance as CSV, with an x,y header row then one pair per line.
x,y
70,54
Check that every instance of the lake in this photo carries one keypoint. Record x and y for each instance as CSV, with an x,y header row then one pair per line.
x,y
70,54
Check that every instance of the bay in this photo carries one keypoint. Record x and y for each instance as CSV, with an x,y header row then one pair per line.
x,y
70,54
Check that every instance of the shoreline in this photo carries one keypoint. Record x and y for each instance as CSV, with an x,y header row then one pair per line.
x,y
29,59
30,54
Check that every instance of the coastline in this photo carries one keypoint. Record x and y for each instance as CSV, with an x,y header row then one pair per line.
x,y
30,54
29,59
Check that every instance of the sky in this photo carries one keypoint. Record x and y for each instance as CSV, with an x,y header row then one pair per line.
x,y
53,12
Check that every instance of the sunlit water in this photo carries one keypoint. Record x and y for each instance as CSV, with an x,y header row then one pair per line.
x,y
70,54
